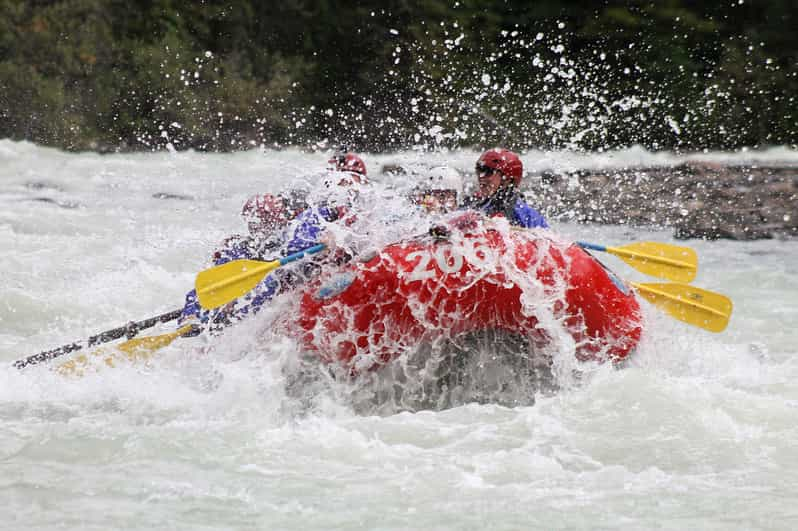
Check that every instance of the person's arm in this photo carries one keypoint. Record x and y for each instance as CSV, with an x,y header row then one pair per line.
x,y
306,234
262,293
235,247
191,308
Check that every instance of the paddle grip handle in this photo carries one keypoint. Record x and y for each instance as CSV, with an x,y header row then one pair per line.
x,y
592,246
296,256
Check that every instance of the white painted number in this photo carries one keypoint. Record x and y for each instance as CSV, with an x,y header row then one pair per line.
x,y
450,259
443,258
420,272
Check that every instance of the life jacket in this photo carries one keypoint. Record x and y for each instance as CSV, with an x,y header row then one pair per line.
x,y
511,205
237,247
309,225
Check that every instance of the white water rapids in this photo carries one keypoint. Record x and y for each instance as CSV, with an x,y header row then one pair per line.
x,y
698,432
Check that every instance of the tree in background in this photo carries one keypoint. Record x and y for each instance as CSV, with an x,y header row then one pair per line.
x,y
226,75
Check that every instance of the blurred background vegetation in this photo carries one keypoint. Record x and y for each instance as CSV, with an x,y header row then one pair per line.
x,y
225,75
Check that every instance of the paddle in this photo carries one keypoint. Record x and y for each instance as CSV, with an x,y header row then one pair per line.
x,y
135,349
660,260
698,307
222,284
129,330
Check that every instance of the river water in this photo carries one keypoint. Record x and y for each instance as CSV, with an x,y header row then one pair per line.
x,y
698,432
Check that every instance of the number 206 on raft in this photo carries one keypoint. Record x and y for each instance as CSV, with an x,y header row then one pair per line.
x,y
450,259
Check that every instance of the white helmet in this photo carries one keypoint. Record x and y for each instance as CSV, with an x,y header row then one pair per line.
x,y
439,190
443,178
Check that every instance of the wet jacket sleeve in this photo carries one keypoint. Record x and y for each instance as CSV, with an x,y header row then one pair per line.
x,y
191,308
526,216
308,231
235,247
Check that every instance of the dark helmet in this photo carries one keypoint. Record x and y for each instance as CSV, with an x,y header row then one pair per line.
x,y
504,161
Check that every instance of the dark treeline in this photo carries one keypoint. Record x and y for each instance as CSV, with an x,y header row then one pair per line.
x,y
226,75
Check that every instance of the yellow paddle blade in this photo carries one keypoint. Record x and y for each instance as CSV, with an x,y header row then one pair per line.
x,y
143,347
225,283
662,260
137,349
698,307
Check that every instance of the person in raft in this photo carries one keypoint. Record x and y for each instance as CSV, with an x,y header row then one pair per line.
x,y
439,192
267,217
499,173
278,225
333,212
346,175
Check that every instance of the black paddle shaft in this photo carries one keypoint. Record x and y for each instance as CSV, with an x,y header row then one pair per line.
x,y
128,331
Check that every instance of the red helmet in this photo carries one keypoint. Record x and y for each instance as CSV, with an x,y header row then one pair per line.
x,y
266,212
348,162
504,161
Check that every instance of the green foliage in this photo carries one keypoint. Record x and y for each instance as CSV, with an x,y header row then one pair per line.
x,y
229,74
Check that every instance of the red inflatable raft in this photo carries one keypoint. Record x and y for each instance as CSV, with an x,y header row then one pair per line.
x,y
427,289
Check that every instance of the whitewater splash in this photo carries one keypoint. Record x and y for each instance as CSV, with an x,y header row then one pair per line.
x,y
211,431
211,203
384,217
489,315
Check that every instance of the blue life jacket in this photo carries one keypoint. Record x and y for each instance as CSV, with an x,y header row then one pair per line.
x,y
526,216
514,208
310,226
